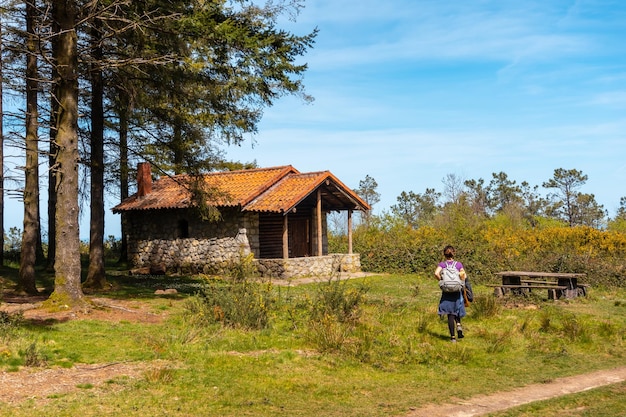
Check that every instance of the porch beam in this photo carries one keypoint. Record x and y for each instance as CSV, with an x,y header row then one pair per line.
x,y
349,231
318,216
286,236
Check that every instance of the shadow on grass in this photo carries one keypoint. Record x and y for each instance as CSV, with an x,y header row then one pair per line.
x,y
120,284
9,277
125,286
442,335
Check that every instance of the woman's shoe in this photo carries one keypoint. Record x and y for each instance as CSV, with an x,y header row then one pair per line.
x,y
459,332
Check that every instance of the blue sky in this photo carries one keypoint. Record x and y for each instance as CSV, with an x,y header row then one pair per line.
x,y
409,91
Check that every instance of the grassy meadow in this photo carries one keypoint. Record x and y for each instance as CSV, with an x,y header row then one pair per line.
x,y
365,347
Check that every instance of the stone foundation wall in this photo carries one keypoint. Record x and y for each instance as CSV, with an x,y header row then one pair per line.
x,y
314,266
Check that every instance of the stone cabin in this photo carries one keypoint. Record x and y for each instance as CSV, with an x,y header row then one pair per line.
x,y
276,214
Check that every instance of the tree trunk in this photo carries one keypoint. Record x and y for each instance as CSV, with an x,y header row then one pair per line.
x,y
125,108
52,168
52,196
67,287
30,235
1,155
96,277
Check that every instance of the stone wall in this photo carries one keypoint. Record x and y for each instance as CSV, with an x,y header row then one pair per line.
x,y
208,256
251,224
314,266
174,241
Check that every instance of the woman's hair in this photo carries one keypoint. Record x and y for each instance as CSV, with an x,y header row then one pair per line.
x,y
448,252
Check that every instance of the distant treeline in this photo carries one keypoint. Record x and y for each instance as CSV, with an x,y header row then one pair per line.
x,y
495,226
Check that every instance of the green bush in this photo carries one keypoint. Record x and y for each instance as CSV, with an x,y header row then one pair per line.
x,y
242,268
234,303
485,306
336,299
9,324
33,356
334,317
328,334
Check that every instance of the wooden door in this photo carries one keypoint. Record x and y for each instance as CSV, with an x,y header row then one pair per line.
x,y
299,237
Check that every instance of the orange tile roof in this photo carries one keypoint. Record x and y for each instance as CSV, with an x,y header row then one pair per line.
x,y
276,189
287,192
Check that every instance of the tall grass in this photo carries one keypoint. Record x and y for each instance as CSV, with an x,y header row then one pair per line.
x,y
334,318
485,306
237,300
240,303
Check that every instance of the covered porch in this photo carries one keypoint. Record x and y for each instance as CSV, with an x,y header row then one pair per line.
x,y
293,222
293,242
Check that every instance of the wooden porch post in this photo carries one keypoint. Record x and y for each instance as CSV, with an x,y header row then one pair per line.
x,y
349,231
319,222
286,236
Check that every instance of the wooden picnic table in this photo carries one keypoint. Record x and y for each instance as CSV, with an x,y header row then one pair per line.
x,y
558,284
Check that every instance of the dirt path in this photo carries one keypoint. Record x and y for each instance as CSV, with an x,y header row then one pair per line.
x,y
499,401
44,384
16,387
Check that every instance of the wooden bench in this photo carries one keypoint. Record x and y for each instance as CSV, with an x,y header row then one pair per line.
x,y
554,290
558,284
534,281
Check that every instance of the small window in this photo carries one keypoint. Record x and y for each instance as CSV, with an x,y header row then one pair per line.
x,y
183,229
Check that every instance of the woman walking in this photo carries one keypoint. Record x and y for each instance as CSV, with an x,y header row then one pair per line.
x,y
451,302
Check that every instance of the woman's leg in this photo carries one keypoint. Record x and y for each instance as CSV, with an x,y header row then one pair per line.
x,y
451,324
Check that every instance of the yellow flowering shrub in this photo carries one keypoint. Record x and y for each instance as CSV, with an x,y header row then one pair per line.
x,y
493,245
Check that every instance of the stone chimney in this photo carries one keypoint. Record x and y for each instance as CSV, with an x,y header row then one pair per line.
x,y
144,179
